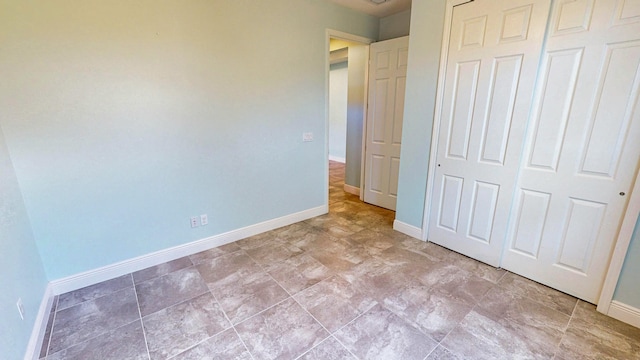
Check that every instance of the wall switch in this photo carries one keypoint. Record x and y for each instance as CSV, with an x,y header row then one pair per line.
x,y
20,308
194,221
204,220
308,136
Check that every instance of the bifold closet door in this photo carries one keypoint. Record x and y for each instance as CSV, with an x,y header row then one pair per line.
x,y
493,56
583,147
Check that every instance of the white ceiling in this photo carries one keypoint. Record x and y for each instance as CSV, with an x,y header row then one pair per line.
x,y
386,8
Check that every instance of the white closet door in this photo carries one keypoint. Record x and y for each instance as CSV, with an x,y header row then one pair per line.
x,y
387,79
583,147
493,56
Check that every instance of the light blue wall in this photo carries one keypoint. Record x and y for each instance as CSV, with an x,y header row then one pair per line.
x,y
395,26
427,21
124,118
358,58
338,86
628,289
21,271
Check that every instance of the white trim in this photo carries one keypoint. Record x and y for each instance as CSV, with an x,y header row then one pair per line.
x,y
444,53
40,325
346,36
625,313
337,159
413,231
95,276
365,123
351,189
620,250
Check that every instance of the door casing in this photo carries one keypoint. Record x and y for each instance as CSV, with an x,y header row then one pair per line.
x,y
330,33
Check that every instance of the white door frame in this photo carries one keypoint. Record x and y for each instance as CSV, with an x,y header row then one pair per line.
x,y
444,54
619,253
336,34
633,208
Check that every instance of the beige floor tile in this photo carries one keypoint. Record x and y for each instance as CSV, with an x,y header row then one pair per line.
x,y
284,331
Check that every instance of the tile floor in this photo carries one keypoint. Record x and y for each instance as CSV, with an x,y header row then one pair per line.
x,y
339,286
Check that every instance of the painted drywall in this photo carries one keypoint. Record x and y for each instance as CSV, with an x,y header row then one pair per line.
x,y
20,265
628,289
395,26
338,75
427,21
123,119
358,58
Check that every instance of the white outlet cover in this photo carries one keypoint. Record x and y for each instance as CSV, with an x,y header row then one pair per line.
x,y
308,136
194,221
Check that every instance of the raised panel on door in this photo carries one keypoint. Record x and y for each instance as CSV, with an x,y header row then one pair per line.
x,y
582,147
500,105
531,216
492,60
613,109
449,202
462,107
387,78
556,91
483,209
581,227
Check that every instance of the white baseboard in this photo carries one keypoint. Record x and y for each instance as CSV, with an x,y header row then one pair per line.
x,y
352,189
407,229
625,313
95,276
40,325
337,159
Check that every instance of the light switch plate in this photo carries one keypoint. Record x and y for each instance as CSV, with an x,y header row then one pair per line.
x,y
308,136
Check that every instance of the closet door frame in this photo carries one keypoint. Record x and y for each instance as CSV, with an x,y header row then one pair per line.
x,y
629,219
606,304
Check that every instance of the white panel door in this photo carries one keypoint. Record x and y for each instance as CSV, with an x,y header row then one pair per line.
x,y
493,56
582,149
387,77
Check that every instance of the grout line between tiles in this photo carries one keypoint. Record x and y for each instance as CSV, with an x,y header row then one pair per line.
x,y
95,337
144,333
202,341
97,297
349,323
313,317
171,305
534,300
233,326
564,333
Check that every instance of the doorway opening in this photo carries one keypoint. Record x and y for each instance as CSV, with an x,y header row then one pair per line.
x,y
347,71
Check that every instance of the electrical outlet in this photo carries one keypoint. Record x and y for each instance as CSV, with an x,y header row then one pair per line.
x,y
20,308
194,221
204,220
308,136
